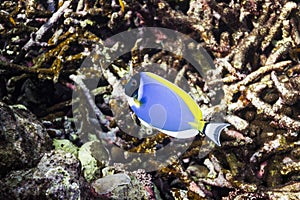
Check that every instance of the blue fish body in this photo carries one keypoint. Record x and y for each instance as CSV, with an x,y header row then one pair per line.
x,y
166,107
162,108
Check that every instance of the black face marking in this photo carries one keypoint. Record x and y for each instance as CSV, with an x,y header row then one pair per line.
x,y
133,85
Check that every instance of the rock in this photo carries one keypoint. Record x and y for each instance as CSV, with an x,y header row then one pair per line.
x,y
65,145
197,171
23,139
120,187
55,177
110,182
92,155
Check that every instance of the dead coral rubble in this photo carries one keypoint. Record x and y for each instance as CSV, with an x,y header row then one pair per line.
x,y
255,45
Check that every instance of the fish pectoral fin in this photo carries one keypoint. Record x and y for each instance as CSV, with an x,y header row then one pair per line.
x,y
158,116
213,131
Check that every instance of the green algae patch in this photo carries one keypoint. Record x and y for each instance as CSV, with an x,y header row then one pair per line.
x,y
66,146
92,156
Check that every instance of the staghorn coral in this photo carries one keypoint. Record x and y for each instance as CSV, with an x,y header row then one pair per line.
x,y
255,45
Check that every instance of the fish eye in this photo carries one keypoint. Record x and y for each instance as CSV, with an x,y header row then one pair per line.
x,y
133,82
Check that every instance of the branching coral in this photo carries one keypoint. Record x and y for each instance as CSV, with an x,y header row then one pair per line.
x,y
255,46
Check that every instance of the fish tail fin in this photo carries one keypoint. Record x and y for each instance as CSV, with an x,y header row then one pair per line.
x,y
213,131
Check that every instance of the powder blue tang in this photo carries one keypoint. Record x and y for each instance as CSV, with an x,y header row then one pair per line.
x,y
166,107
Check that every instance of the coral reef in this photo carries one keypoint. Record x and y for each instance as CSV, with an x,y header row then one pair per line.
x,y
44,44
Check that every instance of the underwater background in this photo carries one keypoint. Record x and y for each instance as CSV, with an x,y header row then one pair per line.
x,y
67,131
